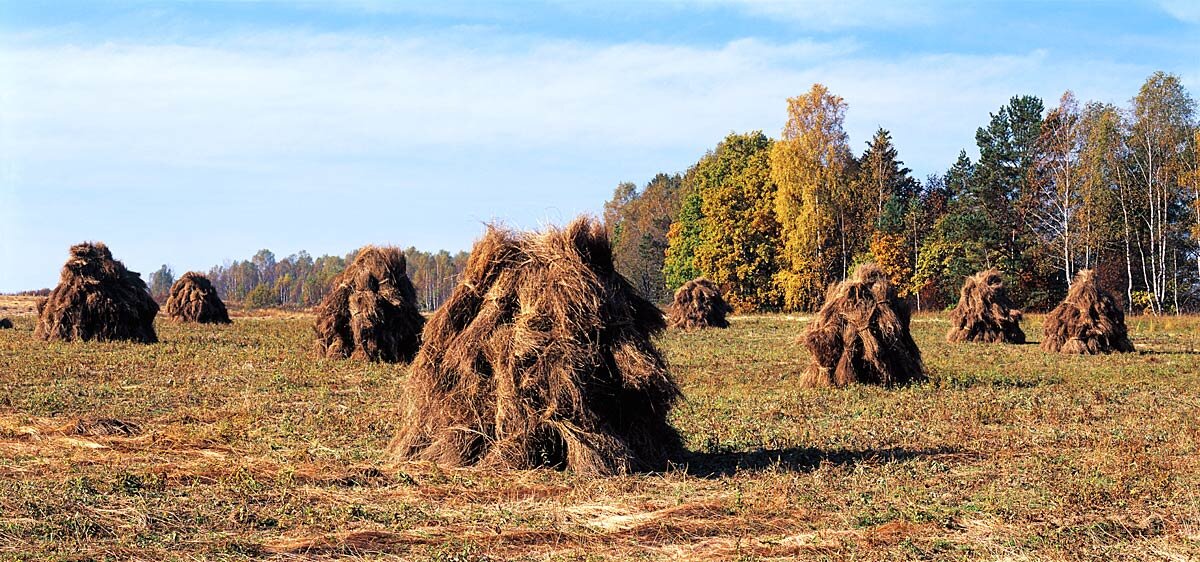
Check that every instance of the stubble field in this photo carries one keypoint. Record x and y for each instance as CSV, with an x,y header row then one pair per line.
x,y
234,443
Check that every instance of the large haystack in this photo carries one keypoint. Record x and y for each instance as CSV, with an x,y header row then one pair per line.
x,y
1088,321
984,312
698,304
861,335
371,311
194,299
541,357
97,299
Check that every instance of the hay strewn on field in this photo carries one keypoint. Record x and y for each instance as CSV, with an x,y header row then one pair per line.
x,y
371,312
1088,321
542,356
861,334
984,312
5,324
97,299
194,299
698,304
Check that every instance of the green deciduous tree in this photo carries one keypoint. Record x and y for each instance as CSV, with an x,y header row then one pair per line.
x,y
726,228
738,248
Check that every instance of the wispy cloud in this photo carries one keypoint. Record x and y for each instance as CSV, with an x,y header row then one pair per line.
x,y
843,14
269,95
258,98
434,132
1183,10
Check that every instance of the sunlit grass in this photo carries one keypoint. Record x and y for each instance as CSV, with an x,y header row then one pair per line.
x,y
250,444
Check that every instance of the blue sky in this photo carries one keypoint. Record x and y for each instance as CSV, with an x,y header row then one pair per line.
x,y
190,133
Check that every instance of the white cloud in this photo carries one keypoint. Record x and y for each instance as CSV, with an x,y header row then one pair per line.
x,y
253,100
269,96
426,136
1182,10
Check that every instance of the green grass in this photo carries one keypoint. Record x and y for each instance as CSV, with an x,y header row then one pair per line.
x,y
250,445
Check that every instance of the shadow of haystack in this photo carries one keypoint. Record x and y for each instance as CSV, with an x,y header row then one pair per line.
x,y
542,356
798,459
97,299
698,304
1089,321
984,312
861,335
5,324
194,299
371,312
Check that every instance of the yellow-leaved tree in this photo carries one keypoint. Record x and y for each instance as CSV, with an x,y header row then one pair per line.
x,y
891,253
809,165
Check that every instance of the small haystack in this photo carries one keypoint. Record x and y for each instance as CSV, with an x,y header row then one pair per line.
x,y
97,299
698,304
5,324
194,299
861,335
984,313
1088,321
542,356
371,312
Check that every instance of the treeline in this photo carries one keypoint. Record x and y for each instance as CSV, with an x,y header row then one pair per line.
x,y
1080,185
301,281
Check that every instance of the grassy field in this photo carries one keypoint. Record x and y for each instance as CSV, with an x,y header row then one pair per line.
x,y
12,306
235,442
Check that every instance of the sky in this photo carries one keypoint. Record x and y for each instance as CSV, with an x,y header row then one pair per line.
x,y
192,133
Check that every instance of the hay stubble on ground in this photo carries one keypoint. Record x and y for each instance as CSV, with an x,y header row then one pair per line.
x,y
232,443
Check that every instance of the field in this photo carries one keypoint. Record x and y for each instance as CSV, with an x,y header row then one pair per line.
x,y
236,443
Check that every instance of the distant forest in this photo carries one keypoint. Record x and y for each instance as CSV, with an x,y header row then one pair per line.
x,y
300,281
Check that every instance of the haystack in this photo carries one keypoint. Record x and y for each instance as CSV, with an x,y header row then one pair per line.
x,y
1088,321
861,335
698,304
542,356
97,299
984,312
371,311
5,324
194,299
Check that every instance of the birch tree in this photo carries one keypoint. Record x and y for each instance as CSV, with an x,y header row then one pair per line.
x,y
1159,132
809,165
1055,196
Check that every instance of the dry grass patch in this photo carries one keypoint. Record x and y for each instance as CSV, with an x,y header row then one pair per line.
x,y
230,443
